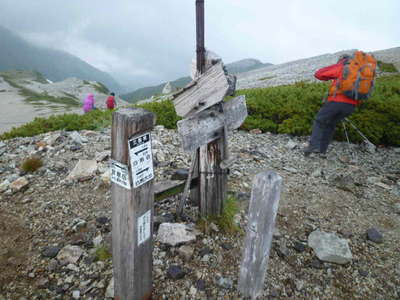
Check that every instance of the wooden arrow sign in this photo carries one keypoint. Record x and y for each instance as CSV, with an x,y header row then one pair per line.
x,y
210,88
209,124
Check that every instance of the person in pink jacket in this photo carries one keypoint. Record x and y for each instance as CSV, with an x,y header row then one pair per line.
x,y
88,104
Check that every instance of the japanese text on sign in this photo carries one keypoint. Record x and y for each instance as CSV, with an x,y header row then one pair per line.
x,y
119,174
143,227
141,159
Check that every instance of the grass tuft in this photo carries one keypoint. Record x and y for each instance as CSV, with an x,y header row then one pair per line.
x,y
102,254
226,221
31,164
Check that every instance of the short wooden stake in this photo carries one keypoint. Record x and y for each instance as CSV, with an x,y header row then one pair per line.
x,y
263,208
132,209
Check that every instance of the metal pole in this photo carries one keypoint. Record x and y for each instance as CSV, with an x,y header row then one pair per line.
x,y
200,50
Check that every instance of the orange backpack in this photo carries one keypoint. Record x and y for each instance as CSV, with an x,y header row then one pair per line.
x,y
358,77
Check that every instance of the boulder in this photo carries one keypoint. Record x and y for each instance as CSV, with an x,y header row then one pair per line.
x,y
329,247
69,254
175,233
19,184
83,169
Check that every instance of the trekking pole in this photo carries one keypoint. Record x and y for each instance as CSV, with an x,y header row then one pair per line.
x,y
359,132
348,142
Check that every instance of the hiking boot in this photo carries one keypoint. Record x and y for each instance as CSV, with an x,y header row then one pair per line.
x,y
308,150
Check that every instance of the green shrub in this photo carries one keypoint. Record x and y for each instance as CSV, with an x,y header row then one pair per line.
x,y
164,111
386,67
31,164
94,120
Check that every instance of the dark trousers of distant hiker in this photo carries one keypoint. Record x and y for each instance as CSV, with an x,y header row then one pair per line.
x,y
330,114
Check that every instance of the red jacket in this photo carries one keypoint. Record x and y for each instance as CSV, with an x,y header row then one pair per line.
x,y
334,72
110,102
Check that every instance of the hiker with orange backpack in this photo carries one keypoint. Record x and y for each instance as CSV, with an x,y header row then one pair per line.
x,y
352,82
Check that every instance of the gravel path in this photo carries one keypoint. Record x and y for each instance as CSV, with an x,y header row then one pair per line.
x,y
346,194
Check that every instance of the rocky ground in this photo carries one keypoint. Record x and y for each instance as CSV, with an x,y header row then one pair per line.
x,y
55,228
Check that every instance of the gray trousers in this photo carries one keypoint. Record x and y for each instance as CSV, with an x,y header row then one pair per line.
x,y
325,122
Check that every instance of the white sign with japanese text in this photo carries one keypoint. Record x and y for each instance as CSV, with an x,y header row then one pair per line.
x,y
141,159
143,227
119,174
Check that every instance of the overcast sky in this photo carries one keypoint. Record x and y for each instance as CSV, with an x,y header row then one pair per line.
x,y
154,40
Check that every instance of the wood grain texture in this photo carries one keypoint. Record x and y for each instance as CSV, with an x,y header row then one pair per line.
x,y
206,126
213,180
263,208
210,88
132,263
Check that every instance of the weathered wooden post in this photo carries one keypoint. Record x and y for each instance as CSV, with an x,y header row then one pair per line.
x,y
263,208
206,93
132,203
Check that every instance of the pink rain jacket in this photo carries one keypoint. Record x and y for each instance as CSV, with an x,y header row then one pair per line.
x,y
88,104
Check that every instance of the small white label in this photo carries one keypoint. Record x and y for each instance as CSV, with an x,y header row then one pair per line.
x,y
141,159
143,227
119,174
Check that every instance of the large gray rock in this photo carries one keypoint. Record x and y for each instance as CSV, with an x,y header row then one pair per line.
x,y
84,168
329,247
69,255
175,233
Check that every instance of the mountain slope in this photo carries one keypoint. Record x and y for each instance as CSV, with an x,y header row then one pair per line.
x,y
240,66
16,53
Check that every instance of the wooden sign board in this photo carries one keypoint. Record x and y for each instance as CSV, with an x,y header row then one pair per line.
x,y
209,89
206,126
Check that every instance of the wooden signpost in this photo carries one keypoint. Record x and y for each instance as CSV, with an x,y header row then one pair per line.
x,y
206,126
132,197
263,209
209,89
204,129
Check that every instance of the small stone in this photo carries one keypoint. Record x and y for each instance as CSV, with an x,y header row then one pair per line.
x,y
214,227
290,169
110,289
299,247
72,267
97,241
186,252
374,235
69,254
205,251
4,186
363,273
19,184
102,220
225,283
226,246
50,252
175,272
255,131
76,294
291,145
316,264
200,285
282,250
